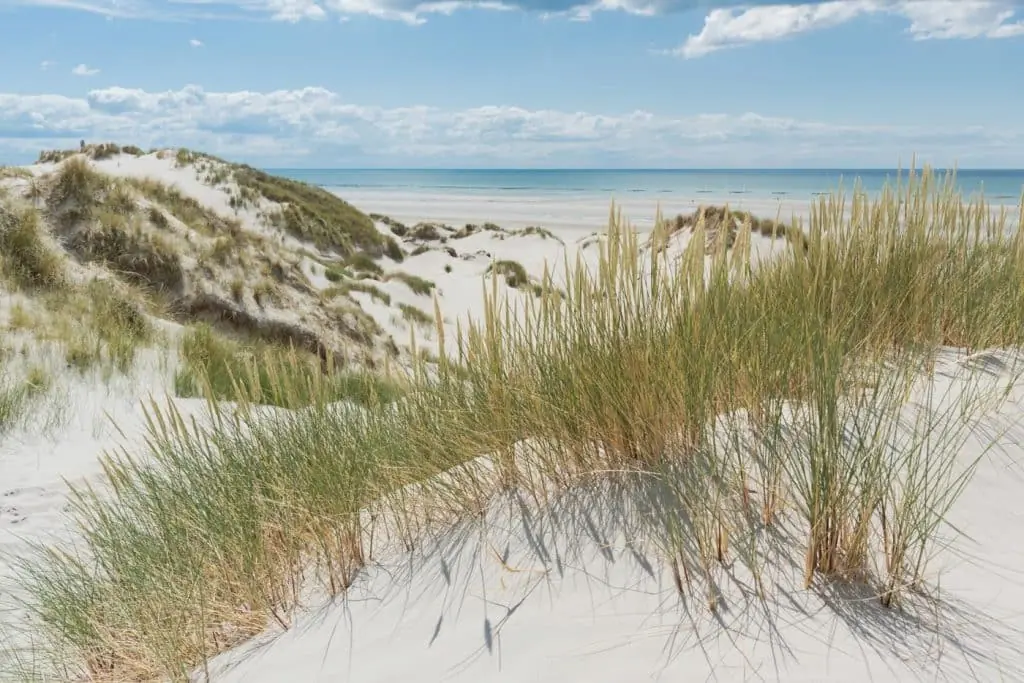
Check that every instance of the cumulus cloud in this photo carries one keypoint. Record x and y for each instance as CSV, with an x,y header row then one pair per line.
x,y
83,70
929,19
195,42
314,126
46,64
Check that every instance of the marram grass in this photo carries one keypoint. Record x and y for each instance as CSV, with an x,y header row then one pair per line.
x,y
729,398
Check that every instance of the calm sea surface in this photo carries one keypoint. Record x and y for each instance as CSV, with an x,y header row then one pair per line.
x,y
999,186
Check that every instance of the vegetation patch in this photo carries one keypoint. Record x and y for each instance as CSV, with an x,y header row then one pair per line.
x,y
513,272
15,172
184,208
399,228
26,260
415,283
270,374
346,287
314,214
543,233
91,151
721,223
415,316
19,393
122,245
426,232
362,263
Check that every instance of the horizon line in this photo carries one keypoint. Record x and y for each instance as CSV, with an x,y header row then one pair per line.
x,y
642,169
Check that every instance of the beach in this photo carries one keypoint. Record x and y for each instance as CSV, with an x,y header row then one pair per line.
x,y
579,201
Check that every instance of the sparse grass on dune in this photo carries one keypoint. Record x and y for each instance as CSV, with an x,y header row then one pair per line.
x,y
271,374
19,393
123,245
415,283
347,286
184,208
314,214
99,326
414,316
94,151
703,386
14,172
26,260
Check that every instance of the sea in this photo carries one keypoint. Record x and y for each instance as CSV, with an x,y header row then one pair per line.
x,y
998,186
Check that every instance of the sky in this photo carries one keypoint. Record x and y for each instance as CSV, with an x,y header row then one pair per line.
x,y
521,83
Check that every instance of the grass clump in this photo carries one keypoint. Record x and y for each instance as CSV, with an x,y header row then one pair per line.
x,y
363,263
126,248
77,187
270,374
353,286
512,271
426,232
708,392
99,325
415,283
18,393
26,260
15,172
415,316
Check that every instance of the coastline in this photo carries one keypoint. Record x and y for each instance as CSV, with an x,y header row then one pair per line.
x,y
576,213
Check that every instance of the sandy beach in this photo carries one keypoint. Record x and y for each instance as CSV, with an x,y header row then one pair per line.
x,y
577,215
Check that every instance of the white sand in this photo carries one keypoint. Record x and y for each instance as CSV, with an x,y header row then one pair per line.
x,y
574,599
564,605
580,215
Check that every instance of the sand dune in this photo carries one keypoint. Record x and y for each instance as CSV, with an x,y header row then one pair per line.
x,y
576,588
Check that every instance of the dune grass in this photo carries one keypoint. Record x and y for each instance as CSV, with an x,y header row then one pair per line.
x,y
791,380
415,283
270,374
26,260
314,214
19,392
184,208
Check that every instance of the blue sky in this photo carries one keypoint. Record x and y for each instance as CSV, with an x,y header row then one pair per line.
x,y
550,83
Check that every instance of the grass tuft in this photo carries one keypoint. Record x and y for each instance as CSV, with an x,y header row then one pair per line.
x,y
26,260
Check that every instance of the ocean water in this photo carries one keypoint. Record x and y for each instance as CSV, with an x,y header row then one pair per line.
x,y
999,186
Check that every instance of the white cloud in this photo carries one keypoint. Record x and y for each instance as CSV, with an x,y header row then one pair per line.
x,y
314,126
929,19
195,42
961,19
728,23
46,64
83,70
